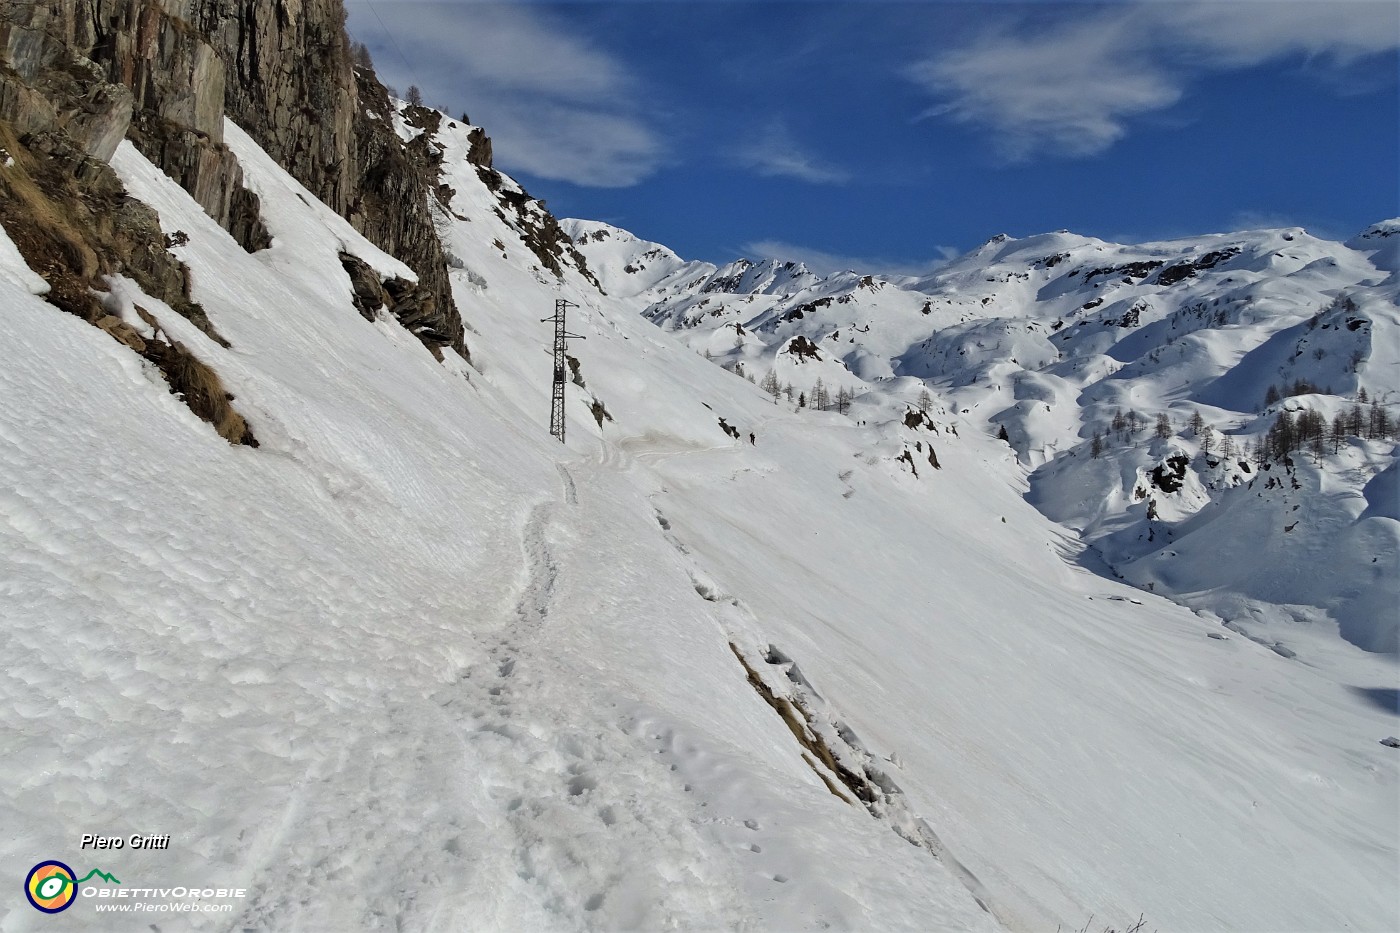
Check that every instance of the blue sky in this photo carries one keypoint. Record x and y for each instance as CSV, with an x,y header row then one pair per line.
x,y
886,136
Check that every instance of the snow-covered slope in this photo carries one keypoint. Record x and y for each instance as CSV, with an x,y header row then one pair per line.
x,y
409,662
715,664
1054,339
632,267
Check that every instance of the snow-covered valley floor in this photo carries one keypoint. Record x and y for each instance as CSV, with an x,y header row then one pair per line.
x,y
412,665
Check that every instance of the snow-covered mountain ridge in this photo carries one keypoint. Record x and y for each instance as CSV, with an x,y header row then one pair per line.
x,y
1075,348
717,663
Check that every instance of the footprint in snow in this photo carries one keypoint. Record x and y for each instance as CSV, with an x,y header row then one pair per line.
x,y
580,785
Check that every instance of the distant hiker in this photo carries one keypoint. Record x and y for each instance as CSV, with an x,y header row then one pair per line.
x,y
751,440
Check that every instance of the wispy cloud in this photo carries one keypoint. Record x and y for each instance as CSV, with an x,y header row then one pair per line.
x,y
825,263
1072,86
1068,89
556,106
1260,220
1273,220
774,153
1249,32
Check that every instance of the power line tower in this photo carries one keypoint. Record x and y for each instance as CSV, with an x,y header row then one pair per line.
x,y
561,366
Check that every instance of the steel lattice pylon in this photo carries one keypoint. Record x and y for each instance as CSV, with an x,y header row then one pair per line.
x,y
561,366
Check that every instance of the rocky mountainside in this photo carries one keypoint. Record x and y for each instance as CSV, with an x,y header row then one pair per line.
x,y
1138,386
78,76
283,576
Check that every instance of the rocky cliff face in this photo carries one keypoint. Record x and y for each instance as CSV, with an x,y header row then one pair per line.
x,y
164,74
102,70
391,207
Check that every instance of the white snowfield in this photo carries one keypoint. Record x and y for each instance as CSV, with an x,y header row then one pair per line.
x,y
1051,337
413,665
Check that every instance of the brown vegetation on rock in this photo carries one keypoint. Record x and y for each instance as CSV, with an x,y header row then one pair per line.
x,y
797,719
166,75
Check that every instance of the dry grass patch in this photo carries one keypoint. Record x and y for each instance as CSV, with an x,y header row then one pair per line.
x,y
797,719
73,223
196,383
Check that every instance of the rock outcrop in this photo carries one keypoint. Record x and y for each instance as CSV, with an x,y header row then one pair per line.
x,y
79,76
165,74
74,224
392,207
102,70
538,228
481,155
327,126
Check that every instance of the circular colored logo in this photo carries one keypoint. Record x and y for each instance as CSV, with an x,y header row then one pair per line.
x,y
51,887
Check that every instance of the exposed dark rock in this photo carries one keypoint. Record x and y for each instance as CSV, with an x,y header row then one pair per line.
x,y
1169,475
407,301
480,155
537,227
393,205
366,286
245,221
802,348
728,283
915,418
423,118
1131,270
177,69
114,68
1132,316
799,311
74,223
1185,270
599,411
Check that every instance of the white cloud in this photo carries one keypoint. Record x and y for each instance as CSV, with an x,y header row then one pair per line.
x,y
1072,87
1248,32
555,105
587,147
1068,90
825,263
773,153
